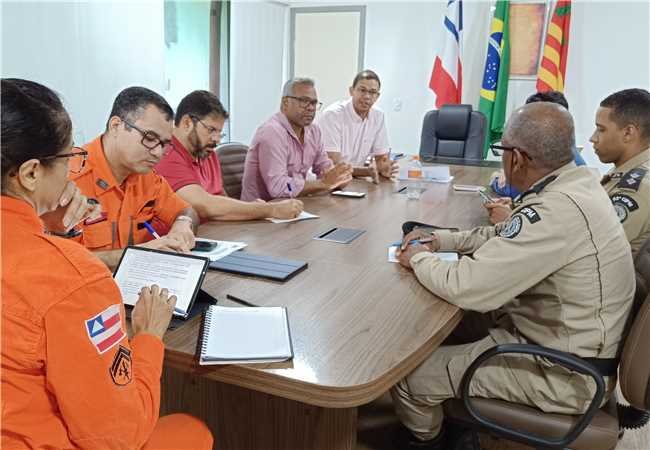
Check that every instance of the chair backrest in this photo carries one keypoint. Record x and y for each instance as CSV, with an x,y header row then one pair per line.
x,y
231,157
634,370
453,131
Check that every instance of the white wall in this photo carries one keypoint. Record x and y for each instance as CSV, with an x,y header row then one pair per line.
x,y
86,51
609,50
257,64
187,62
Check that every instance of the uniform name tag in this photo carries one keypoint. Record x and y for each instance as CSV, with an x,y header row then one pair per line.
x,y
102,184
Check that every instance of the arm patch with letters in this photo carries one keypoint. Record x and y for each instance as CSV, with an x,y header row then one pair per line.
x,y
530,214
623,204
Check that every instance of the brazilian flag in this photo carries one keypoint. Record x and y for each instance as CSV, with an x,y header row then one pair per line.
x,y
494,90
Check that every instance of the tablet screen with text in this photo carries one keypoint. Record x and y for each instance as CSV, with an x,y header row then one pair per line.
x,y
180,274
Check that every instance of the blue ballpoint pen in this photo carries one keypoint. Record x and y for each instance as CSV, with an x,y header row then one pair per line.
x,y
150,229
414,241
290,190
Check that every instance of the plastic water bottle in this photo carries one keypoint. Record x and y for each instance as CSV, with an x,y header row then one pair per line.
x,y
414,174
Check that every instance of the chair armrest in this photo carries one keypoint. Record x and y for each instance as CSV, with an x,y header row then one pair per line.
x,y
564,359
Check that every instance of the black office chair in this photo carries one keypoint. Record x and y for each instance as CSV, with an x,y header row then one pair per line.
x,y
596,429
454,134
232,156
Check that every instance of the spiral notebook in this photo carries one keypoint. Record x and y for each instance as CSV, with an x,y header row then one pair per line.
x,y
241,335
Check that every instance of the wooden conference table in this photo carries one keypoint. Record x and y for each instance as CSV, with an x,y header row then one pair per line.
x,y
358,323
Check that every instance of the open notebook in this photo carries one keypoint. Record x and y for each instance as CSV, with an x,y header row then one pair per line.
x,y
245,335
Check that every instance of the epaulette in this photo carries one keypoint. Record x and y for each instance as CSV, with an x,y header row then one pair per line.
x,y
632,179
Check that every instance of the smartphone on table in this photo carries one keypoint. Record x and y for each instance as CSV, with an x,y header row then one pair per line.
x,y
204,246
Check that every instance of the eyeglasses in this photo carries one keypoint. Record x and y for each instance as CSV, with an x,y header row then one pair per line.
x,y
76,161
211,130
497,150
150,139
364,92
305,102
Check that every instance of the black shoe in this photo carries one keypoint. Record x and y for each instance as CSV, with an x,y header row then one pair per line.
x,y
405,440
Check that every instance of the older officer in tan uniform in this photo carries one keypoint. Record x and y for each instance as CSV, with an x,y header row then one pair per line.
x,y
622,137
558,273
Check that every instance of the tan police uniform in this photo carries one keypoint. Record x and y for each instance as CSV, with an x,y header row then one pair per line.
x,y
557,273
628,188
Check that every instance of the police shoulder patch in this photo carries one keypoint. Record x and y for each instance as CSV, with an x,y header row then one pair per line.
x,y
633,178
513,228
530,214
624,205
121,367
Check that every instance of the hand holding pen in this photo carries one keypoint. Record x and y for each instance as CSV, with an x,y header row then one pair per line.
x,y
162,242
421,237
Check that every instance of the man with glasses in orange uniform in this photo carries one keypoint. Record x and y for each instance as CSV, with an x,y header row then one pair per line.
x,y
119,175
192,168
354,130
287,146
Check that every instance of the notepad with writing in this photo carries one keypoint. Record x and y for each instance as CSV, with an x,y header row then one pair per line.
x,y
241,335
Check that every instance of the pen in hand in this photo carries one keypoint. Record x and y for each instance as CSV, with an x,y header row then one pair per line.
x,y
289,188
413,242
150,229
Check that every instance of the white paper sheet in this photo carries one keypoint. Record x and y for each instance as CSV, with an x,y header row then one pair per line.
x,y
445,256
223,248
303,216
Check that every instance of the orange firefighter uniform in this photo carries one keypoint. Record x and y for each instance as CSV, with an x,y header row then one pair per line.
x,y
70,377
141,197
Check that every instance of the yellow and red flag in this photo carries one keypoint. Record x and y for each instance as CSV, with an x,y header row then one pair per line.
x,y
552,70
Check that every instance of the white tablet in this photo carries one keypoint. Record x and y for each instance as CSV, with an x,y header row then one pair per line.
x,y
181,274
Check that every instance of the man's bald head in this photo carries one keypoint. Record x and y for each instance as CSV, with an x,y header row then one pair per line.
x,y
543,130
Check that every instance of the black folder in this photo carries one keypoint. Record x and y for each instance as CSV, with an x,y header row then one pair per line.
x,y
259,265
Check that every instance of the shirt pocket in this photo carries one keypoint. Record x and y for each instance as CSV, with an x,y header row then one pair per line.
x,y
99,236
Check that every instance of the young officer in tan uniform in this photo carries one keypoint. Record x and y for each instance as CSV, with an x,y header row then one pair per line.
x,y
558,273
622,137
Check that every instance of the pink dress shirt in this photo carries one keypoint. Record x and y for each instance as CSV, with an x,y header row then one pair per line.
x,y
277,163
355,138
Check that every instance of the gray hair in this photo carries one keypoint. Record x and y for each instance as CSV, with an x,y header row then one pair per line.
x,y
545,131
287,89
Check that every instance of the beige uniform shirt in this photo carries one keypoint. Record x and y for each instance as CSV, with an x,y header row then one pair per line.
x,y
628,188
560,267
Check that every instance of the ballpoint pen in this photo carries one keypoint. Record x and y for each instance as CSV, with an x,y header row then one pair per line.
x,y
414,241
150,229
239,300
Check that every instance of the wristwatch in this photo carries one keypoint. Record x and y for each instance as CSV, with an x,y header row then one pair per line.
x,y
188,218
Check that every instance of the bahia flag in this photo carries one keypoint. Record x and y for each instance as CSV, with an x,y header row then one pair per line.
x,y
550,76
494,91
447,75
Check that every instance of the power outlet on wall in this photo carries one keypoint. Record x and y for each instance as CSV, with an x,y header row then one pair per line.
x,y
397,105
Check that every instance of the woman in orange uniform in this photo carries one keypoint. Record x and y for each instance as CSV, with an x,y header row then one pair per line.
x,y
70,376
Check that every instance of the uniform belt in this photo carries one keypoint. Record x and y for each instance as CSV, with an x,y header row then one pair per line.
x,y
607,367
